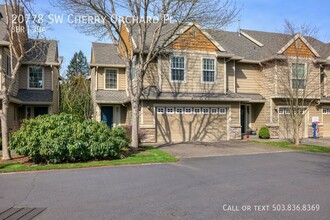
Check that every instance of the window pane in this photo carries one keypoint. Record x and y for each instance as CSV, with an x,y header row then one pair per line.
x,y
177,68
35,77
111,79
208,70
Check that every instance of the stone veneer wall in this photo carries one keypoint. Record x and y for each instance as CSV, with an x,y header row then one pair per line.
x,y
235,132
149,135
273,130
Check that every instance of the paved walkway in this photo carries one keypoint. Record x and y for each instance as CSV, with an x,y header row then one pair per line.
x,y
223,148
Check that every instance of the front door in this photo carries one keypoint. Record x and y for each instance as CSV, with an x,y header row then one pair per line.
x,y
107,115
243,119
40,111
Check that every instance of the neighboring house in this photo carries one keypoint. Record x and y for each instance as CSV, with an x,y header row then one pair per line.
x,y
36,90
212,85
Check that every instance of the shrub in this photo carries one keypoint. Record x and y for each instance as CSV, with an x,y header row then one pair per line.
x,y
264,133
64,138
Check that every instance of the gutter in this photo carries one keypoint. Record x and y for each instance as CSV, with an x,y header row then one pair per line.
x,y
107,65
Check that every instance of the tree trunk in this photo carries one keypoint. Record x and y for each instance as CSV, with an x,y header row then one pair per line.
x,y
296,135
4,128
135,126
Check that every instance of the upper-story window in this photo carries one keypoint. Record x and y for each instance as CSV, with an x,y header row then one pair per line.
x,y
8,66
111,80
177,68
36,77
208,70
298,75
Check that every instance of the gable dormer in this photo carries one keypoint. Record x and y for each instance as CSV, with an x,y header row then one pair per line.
x,y
192,37
299,46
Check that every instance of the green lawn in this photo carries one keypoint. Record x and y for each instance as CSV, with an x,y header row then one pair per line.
x,y
288,145
149,155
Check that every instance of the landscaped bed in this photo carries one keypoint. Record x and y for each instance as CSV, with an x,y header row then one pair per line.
x,y
145,155
289,145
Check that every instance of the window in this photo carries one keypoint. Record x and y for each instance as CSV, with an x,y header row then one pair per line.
x,y
214,111
36,77
206,111
287,111
298,74
324,111
222,111
188,110
328,110
179,111
160,110
197,110
8,69
110,79
208,70
281,111
170,110
177,68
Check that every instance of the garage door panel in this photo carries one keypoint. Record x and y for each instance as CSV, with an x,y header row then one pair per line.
x,y
191,127
326,125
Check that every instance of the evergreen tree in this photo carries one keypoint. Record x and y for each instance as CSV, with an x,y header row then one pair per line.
x,y
78,64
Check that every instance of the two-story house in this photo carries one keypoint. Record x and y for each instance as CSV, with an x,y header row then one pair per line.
x,y
36,89
215,85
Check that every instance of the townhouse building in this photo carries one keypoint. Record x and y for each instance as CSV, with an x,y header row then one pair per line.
x,y
36,89
216,85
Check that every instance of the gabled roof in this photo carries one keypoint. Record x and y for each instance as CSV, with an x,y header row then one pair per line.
x,y
246,45
3,32
104,54
35,96
298,36
41,52
206,34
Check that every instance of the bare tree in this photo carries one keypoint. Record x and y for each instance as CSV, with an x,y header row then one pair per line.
x,y
150,38
18,45
297,79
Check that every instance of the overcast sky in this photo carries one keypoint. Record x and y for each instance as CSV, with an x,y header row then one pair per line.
x,y
262,15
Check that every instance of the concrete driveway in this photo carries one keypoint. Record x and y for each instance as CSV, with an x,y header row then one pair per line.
x,y
223,148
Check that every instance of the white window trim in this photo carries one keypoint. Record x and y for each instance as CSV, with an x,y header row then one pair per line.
x,y
170,113
224,111
328,110
43,78
216,111
176,111
104,80
188,113
279,111
200,111
206,113
185,69
161,113
215,70
325,111
291,78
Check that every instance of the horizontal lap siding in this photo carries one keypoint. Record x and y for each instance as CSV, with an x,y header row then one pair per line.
x,y
193,75
247,78
121,78
23,82
231,76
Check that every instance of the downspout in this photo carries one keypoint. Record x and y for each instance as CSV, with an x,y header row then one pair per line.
x,y
225,75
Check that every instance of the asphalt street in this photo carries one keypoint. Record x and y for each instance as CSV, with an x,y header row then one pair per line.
x,y
227,187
